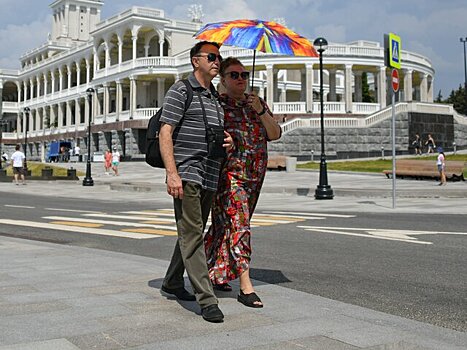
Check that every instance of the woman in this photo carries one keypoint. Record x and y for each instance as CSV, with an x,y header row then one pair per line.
x,y
441,164
107,161
251,124
430,143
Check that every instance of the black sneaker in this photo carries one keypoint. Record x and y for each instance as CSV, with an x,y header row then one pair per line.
x,y
179,293
212,313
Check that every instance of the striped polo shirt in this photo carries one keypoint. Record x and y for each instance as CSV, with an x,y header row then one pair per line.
x,y
190,146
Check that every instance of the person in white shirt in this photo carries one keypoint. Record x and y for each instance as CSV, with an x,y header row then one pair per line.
x,y
17,160
4,158
115,160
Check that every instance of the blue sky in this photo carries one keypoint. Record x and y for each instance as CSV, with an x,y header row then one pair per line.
x,y
429,27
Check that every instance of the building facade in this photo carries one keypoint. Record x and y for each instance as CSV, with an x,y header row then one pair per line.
x,y
132,58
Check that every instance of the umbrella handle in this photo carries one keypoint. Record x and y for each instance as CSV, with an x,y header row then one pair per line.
x,y
253,71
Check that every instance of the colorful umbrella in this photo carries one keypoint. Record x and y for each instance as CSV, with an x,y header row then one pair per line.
x,y
268,37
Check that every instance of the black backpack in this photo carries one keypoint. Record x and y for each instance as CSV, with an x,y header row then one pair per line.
x,y
153,152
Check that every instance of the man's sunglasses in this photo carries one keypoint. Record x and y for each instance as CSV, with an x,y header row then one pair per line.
x,y
211,57
235,75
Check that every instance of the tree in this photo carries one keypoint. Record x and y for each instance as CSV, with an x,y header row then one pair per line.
x,y
366,94
458,99
439,98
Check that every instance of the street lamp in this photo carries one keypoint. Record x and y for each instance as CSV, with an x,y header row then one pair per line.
x,y
88,181
26,110
323,190
464,40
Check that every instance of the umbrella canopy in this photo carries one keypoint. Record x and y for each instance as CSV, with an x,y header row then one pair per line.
x,y
268,37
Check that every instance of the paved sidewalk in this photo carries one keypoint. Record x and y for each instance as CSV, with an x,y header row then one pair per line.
x,y
64,297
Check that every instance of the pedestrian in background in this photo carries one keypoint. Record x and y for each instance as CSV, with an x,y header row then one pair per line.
x,y
5,158
251,123
441,164
107,161
430,143
417,144
17,161
115,160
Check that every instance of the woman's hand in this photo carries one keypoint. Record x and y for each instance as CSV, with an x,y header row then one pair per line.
x,y
229,144
255,103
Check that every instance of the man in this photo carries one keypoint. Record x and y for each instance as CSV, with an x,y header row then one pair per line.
x,y
17,161
192,176
77,150
5,158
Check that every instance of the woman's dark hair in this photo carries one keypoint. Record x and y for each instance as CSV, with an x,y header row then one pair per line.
x,y
229,61
198,46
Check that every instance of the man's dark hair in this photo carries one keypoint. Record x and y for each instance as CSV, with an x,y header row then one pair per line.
x,y
198,46
17,147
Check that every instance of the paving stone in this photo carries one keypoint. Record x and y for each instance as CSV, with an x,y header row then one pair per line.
x,y
27,309
310,343
398,346
54,344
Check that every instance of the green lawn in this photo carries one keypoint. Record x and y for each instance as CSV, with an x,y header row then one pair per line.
x,y
374,166
36,169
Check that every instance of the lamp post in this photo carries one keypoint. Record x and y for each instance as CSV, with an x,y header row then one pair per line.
x,y
323,190
26,110
88,181
464,40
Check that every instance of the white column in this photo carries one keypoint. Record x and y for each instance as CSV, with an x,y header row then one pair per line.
x,y
275,73
96,60
38,86
132,95
283,95
52,115
25,91
107,55
309,87
430,89
68,113
146,50
332,85
106,99
118,98
348,88
120,50
160,91
134,40
52,78
60,114
424,87
77,112
161,47
408,85
78,75
68,68
67,21
38,119
60,82
19,125
31,87
86,110
270,85
382,86
88,72
46,85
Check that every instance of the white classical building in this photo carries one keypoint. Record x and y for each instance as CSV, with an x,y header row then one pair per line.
x,y
132,58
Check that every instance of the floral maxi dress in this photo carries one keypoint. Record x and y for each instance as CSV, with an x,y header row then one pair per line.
x,y
227,243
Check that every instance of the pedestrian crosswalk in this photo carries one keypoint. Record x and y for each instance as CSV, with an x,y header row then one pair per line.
x,y
141,224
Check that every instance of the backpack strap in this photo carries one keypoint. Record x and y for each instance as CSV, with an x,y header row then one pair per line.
x,y
189,94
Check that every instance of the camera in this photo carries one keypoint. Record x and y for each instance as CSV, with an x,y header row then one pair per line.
x,y
215,138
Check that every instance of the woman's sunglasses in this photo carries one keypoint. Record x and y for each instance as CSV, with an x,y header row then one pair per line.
x,y
235,75
211,57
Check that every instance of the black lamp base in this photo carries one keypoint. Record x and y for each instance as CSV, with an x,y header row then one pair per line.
x,y
88,181
324,192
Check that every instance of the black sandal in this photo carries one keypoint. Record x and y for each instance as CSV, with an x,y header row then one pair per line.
x,y
250,300
222,287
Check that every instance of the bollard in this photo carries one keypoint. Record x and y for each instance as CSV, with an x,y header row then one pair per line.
x,y
312,155
71,174
382,153
455,147
290,164
47,173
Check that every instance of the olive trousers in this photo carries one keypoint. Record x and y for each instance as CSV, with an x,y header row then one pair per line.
x,y
191,215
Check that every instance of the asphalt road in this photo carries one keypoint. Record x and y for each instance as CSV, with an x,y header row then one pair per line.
x,y
411,265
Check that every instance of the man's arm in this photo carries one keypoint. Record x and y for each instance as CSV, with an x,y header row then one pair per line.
x,y
174,182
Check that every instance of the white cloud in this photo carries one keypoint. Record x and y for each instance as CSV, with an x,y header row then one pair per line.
x,y
18,39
